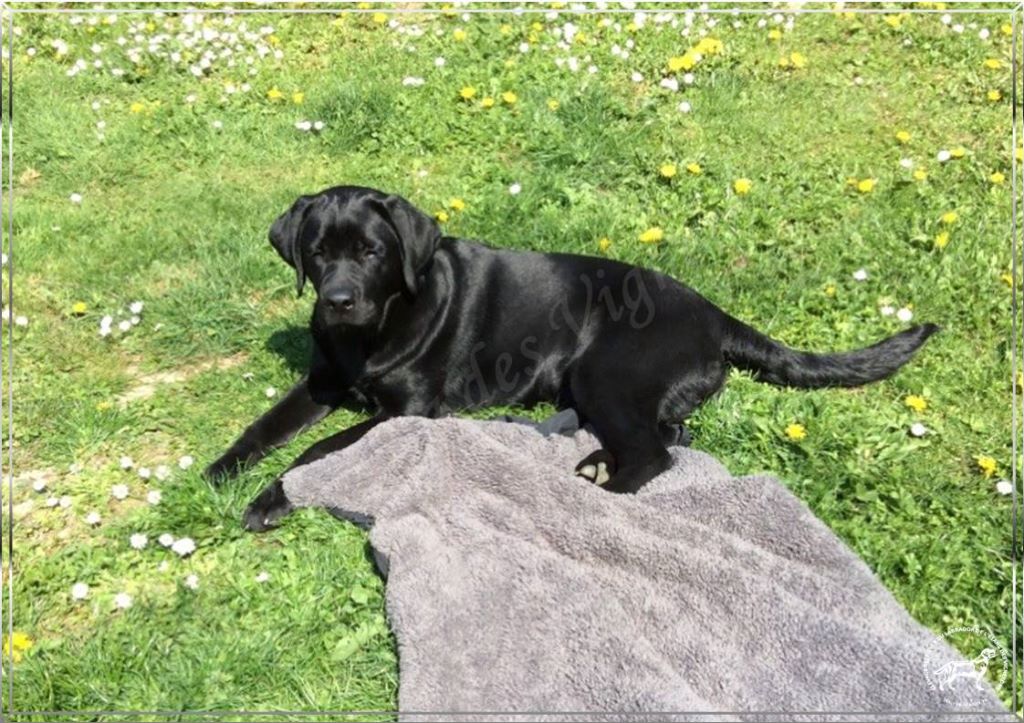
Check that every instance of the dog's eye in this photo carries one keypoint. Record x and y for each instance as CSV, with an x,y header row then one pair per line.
x,y
316,253
370,253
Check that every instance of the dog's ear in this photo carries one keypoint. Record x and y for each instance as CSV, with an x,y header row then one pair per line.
x,y
285,237
418,237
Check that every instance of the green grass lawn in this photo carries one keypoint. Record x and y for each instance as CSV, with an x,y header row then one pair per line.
x,y
142,180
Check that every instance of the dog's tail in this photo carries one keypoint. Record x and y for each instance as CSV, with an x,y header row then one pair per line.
x,y
770,361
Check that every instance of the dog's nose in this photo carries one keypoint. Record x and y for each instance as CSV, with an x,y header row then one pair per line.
x,y
340,299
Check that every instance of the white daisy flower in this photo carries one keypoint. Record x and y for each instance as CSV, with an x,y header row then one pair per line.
x,y
127,463
184,547
887,310
163,472
166,539
185,461
1004,487
918,430
907,163
904,314
79,591
65,502
192,582
119,492
684,107
412,81
270,392
122,601
93,518
217,125
75,198
984,33
263,576
138,541
145,473
688,78
303,125
153,497
943,156
318,126
514,189
52,502
124,325
669,84
135,307
860,275
21,321
39,485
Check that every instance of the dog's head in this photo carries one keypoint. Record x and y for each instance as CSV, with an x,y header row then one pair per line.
x,y
358,247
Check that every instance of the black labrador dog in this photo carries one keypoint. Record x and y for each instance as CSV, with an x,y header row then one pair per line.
x,y
410,322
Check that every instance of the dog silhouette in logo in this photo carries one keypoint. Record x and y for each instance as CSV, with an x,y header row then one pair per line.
x,y
972,669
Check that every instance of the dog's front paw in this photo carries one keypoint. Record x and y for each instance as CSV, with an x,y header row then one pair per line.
x,y
222,469
597,467
264,511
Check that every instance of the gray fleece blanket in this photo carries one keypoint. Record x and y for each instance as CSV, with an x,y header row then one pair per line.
x,y
514,586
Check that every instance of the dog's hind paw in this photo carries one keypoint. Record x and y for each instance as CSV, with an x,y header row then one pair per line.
x,y
597,467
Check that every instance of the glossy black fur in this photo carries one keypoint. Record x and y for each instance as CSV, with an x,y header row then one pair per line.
x,y
409,322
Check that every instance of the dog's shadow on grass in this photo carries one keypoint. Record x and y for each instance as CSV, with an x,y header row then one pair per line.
x,y
293,344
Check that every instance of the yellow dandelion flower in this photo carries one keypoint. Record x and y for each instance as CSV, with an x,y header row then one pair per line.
x,y
997,178
458,35
380,18
457,204
363,6
1019,154
775,34
709,46
987,465
509,97
537,27
958,152
667,170
552,104
994,95
893,21
830,290
137,107
298,97
920,174
505,29
487,102
942,240
783,62
742,186
867,185
104,405
679,62
796,431
993,63
949,217
798,59
15,645
79,308
467,92
1006,279
652,235
441,216
604,244
916,402
694,168
1006,29
274,94
903,136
